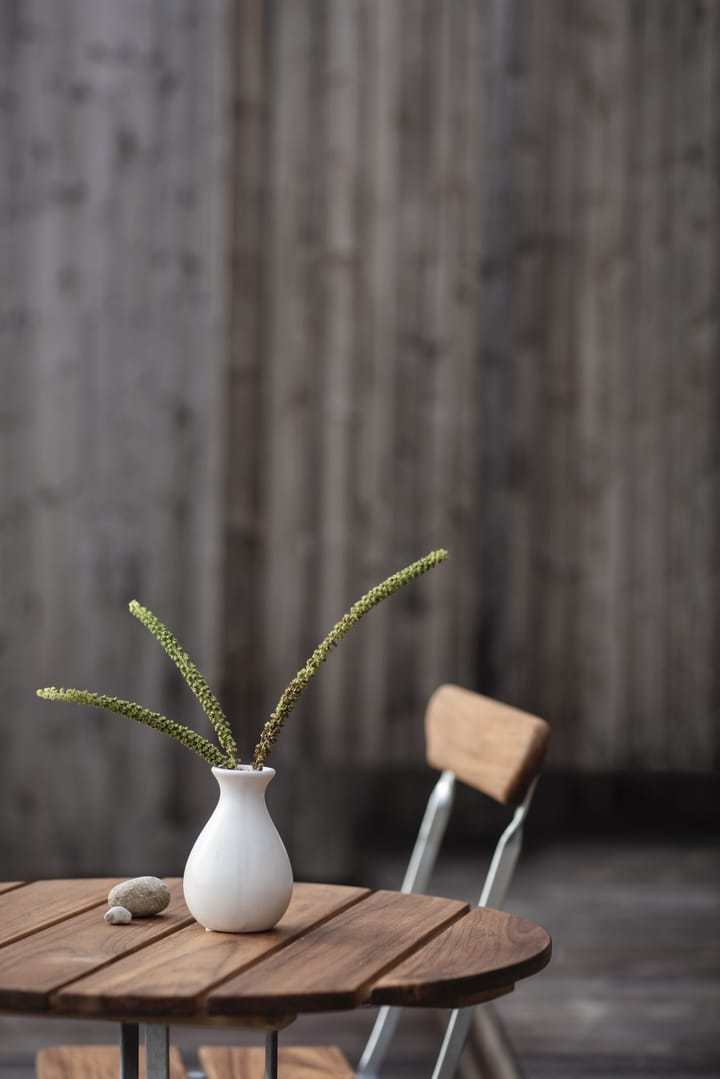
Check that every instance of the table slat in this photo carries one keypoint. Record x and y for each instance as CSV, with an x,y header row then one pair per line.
x,y
35,906
31,968
8,885
334,966
485,949
170,978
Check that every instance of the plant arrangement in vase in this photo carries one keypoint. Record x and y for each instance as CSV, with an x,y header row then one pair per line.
x,y
225,754
226,904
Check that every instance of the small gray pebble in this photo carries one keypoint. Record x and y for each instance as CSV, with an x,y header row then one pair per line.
x,y
142,896
118,916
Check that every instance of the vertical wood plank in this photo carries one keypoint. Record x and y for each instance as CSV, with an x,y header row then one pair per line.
x,y
417,111
518,677
445,482
465,574
496,339
557,519
243,409
690,626
601,363
342,84
650,299
375,358
292,321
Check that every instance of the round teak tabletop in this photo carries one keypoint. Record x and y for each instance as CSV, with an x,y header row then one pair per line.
x,y
336,948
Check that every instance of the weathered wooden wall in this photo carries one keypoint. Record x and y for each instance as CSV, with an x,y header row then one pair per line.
x,y
361,379
113,150
483,239
294,291
613,589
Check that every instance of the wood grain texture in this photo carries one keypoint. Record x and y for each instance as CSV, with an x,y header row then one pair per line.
x,y
294,1062
335,944
366,247
512,948
172,978
245,258
25,910
31,969
8,885
293,292
495,748
611,1003
110,331
600,536
94,1062
334,966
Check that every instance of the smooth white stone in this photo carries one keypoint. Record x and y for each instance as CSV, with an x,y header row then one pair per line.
x,y
118,916
142,896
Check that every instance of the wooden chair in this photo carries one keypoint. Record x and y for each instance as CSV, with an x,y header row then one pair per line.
x,y
499,751
487,745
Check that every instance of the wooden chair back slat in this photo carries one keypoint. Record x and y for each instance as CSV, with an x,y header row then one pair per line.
x,y
490,746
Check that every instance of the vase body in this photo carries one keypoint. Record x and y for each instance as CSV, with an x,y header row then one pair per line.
x,y
238,877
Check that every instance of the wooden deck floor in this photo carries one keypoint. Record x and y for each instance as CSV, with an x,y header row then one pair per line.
x,y
633,988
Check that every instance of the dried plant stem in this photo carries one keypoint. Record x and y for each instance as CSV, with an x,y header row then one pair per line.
x,y
227,755
289,698
134,711
211,705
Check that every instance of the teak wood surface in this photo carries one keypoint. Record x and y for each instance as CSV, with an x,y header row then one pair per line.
x,y
337,947
489,745
95,1062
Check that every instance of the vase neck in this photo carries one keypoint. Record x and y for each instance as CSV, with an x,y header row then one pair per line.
x,y
243,781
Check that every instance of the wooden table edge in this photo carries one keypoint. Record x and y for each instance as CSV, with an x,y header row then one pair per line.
x,y
11,885
464,988
250,1021
276,1012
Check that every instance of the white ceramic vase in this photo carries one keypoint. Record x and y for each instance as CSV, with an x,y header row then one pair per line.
x,y
238,877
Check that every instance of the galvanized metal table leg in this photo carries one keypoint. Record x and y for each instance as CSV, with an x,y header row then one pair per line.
x,y
129,1051
157,1044
271,1054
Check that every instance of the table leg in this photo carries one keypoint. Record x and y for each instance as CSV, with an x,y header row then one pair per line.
x,y
271,1054
129,1051
157,1043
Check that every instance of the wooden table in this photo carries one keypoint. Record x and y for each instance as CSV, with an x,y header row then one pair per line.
x,y
336,948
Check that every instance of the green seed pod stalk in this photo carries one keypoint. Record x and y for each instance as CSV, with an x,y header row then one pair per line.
x,y
226,756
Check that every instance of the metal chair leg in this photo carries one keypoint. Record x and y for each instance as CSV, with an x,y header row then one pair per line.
x,y
491,1047
129,1043
157,1045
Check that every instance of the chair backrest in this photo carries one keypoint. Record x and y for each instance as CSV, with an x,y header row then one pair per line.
x,y
499,751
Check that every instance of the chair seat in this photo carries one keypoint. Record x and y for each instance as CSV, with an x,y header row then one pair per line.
x,y
294,1062
93,1062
